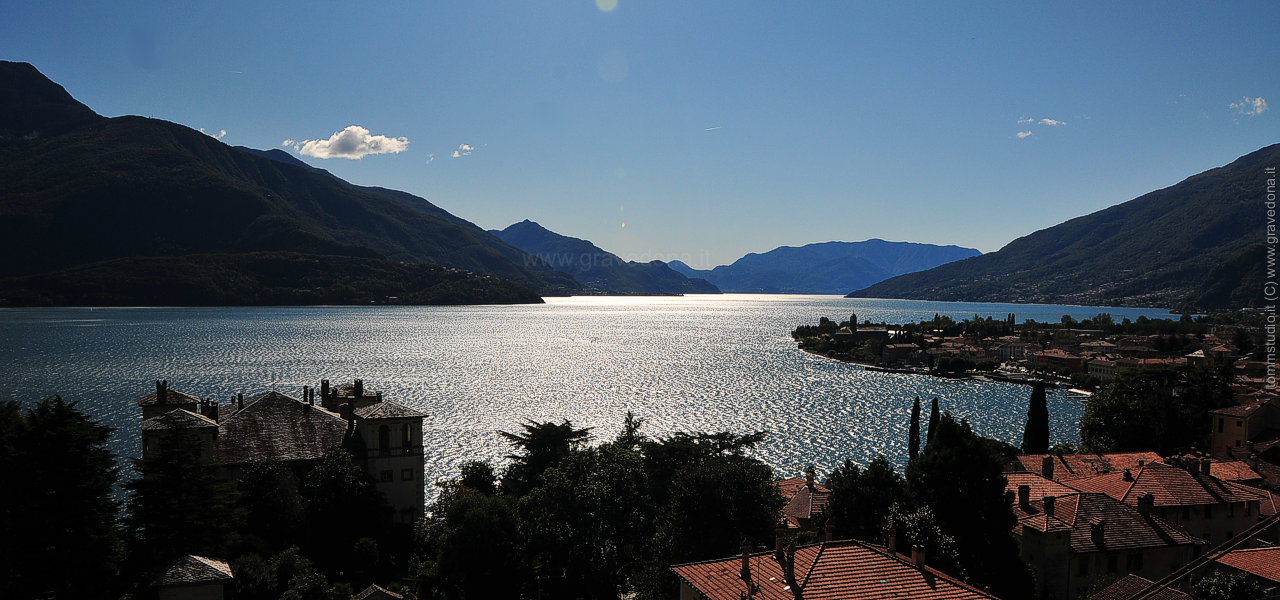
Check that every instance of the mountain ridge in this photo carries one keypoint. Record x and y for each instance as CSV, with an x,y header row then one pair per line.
x,y
597,270
1155,250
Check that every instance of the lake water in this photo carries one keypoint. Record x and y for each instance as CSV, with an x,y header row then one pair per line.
x,y
693,363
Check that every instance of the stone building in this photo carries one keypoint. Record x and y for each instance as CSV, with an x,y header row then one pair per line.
x,y
384,437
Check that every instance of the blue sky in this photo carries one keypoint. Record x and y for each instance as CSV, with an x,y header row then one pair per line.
x,y
711,129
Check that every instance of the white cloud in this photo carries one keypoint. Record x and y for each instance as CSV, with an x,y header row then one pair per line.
x,y
431,158
354,142
1024,134
1052,122
1250,107
288,144
1025,120
463,150
218,136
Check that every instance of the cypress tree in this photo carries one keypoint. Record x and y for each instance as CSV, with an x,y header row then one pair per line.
x,y
933,421
913,444
1035,437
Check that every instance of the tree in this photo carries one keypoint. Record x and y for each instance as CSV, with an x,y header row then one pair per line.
x,y
933,421
479,476
962,483
1035,436
913,441
177,504
540,445
480,553
342,506
272,506
861,499
56,508
920,528
1221,585
1137,412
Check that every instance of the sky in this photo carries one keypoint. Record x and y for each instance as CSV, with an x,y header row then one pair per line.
x,y
699,131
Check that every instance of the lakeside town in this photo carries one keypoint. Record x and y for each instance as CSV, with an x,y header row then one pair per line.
x,y
1169,493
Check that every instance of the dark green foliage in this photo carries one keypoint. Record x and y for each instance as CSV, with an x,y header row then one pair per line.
x,y
177,504
272,507
259,278
861,498
479,476
920,528
539,446
1035,436
716,504
342,506
913,436
1224,585
1156,250
961,482
599,271
58,518
933,421
1140,411
479,554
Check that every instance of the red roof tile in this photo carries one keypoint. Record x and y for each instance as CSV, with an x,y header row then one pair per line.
x,y
1131,585
1263,562
1177,486
845,570
1233,470
1123,527
1067,467
1040,487
192,569
789,487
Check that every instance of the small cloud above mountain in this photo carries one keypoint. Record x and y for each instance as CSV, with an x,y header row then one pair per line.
x,y
354,142
1250,107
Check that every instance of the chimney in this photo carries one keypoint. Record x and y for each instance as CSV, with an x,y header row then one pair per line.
x,y
347,411
917,555
745,571
1098,533
324,389
1142,462
359,388
1024,496
162,391
1046,467
1146,503
780,536
1049,502
209,408
809,475
1128,475
1206,465
831,531
240,400
378,397
893,538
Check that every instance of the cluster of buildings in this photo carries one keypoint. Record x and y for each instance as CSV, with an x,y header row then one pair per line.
x,y
384,438
1108,527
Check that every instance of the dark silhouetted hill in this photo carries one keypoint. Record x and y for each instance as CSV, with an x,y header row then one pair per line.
x,y
825,268
597,270
1183,246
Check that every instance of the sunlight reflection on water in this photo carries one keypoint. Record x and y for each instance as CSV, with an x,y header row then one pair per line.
x,y
703,363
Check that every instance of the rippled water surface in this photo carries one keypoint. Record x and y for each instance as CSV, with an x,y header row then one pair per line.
x,y
684,363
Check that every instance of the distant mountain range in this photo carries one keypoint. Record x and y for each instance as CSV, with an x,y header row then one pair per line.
x,y
1196,245
599,271
83,196
825,268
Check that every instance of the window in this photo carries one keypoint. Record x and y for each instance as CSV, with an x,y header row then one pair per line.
x,y
1133,562
1231,509
1248,508
1083,569
406,474
384,438
385,475
404,435
1239,424
1208,512
1220,422
1111,563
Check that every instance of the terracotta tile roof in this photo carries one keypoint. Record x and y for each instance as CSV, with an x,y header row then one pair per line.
x,y
374,592
171,397
845,570
802,503
192,569
1131,585
387,410
1040,487
1233,470
278,427
177,419
1177,486
1074,466
1262,562
1242,411
1123,527
1111,484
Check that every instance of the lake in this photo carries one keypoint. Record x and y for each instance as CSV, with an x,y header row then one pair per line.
x,y
692,363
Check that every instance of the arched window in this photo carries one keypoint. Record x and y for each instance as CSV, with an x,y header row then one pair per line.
x,y
384,437
405,439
